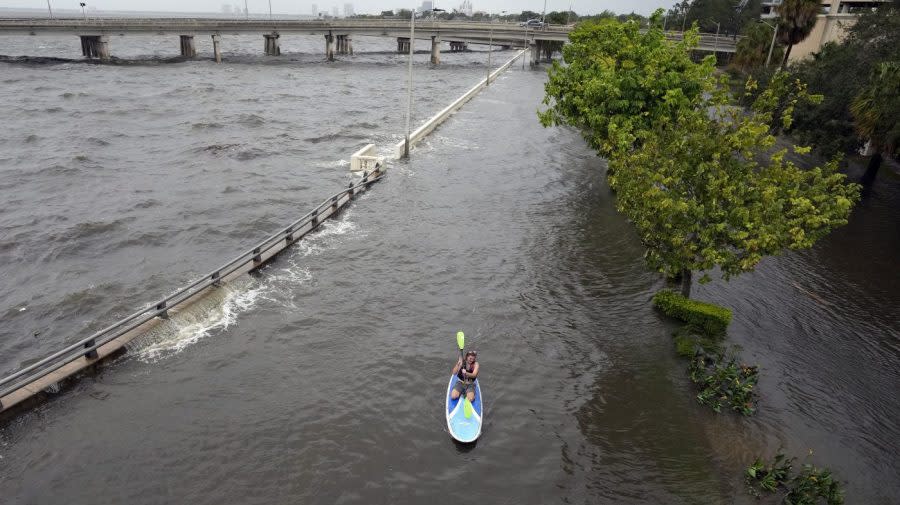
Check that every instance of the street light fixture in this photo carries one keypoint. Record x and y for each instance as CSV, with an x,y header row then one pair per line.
x,y
83,14
772,45
487,80
412,39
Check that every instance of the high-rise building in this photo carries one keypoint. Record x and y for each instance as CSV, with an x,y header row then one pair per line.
x,y
466,7
334,11
348,10
315,10
426,6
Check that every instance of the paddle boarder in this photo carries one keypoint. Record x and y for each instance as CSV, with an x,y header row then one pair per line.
x,y
466,375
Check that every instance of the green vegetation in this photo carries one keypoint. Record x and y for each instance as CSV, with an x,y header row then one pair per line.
x,y
704,189
811,486
724,383
710,319
721,381
752,50
727,16
618,82
796,19
856,79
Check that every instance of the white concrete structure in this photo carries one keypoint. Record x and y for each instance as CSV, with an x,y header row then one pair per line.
x,y
366,159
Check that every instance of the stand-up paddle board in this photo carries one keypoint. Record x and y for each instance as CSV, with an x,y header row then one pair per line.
x,y
464,422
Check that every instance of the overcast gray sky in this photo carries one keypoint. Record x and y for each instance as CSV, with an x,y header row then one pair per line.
x,y
360,6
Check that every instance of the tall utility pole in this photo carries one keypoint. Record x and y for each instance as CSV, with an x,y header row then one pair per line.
x,y
49,9
487,80
83,14
544,12
270,9
772,45
246,11
412,38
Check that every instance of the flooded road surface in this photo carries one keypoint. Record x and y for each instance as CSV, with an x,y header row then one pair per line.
x,y
321,379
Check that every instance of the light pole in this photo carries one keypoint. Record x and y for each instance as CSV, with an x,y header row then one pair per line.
x,y
435,10
246,11
487,80
716,44
524,46
83,14
412,34
543,13
685,18
772,45
49,9
270,10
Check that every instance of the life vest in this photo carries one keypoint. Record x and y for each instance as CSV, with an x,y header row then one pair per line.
x,y
459,374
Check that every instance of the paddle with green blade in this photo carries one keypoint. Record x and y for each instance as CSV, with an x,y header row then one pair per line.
x,y
461,342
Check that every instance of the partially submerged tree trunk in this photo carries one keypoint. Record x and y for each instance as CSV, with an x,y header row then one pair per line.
x,y
872,168
686,283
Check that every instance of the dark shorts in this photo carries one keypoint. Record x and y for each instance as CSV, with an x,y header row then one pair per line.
x,y
464,388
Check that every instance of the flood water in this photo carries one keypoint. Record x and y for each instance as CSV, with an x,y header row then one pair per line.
x,y
321,379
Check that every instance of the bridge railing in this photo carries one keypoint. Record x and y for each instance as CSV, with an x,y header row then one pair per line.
x,y
86,348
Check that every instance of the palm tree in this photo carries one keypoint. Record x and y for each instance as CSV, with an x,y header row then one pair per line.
x,y
796,20
876,113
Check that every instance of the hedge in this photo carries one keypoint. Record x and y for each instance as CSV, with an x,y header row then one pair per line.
x,y
712,319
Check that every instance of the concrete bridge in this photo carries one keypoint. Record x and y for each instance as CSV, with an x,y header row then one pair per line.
x,y
95,32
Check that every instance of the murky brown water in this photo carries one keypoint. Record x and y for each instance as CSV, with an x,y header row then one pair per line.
x,y
321,380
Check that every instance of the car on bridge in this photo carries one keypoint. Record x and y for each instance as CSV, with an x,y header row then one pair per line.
x,y
533,23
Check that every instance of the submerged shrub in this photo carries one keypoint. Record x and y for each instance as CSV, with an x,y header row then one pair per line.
x,y
690,340
724,383
811,486
712,319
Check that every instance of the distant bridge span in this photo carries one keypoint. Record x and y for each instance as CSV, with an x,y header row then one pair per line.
x,y
94,32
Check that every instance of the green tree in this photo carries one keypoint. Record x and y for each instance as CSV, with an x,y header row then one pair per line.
x,y
617,82
838,71
876,112
708,191
731,15
796,19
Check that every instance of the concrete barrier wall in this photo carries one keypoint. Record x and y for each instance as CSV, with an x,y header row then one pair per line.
x,y
429,126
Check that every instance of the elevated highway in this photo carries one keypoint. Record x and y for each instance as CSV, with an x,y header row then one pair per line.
x,y
94,33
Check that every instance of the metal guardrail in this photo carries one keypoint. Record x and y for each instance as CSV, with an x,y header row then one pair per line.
x,y
87,347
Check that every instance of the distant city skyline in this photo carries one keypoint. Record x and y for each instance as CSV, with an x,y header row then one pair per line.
x,y
359,7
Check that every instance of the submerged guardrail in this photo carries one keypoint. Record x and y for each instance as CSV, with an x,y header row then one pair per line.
x,y
62,364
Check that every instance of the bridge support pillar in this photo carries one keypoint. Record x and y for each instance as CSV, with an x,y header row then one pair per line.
x,y
329,47
95,46
435,50
188,49
344,44
535,54
402,45
273,48
458,47
217,48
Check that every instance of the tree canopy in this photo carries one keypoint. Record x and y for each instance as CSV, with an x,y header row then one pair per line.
x,y
796,19
700,179
842,71
618,81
